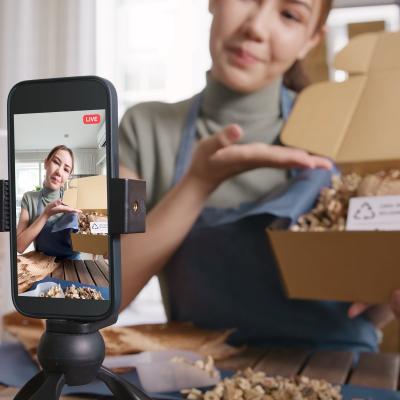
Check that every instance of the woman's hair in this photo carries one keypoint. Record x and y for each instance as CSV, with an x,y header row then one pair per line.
x,y
61,147
296,78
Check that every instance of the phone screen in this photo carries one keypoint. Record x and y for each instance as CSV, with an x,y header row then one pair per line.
x,y
61,205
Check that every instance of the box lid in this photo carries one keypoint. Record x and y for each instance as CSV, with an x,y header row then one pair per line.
x,y
87,193
357,120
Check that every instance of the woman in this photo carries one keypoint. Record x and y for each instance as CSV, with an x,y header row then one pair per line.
x,y
216,177
45,219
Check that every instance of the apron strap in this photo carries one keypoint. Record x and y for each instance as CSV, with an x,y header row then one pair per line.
x,y
287,102
188,138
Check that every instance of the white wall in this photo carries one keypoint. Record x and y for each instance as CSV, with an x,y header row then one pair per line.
x,y
44,39
5,280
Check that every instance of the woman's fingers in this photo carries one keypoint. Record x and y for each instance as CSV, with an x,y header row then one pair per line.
x,y
264,155
228,136
395,303
357,309
71,210
220,157
296,158
323,163
64,208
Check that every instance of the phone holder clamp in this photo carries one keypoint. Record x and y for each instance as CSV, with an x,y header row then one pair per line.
x,y
71,357
128,206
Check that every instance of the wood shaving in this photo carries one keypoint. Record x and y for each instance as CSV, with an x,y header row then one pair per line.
x,y
207,365
85,218
55,291
251,385
85,293
73,292
330,213
33,267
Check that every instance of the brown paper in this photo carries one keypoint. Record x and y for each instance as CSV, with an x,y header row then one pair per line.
x,y
33,267
134,339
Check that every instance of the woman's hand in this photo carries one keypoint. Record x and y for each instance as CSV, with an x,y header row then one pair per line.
x,y
395,303
380,315
58,206
219,157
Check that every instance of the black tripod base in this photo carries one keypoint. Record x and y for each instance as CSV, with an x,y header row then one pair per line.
x,y
49,386
72,354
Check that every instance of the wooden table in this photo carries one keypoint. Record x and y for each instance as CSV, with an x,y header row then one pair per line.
x,y
374,370
88,272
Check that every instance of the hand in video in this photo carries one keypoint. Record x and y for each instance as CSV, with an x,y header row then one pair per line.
x,y
57,207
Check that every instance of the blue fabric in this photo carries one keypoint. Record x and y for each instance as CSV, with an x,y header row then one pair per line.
x,y
55,237
186,145
224,274
64,284
66,221
289,201
17,368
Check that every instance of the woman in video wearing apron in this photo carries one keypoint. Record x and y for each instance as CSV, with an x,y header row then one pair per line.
x,y
45,220
217,176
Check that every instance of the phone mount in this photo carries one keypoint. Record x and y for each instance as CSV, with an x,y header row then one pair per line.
x,y
72,352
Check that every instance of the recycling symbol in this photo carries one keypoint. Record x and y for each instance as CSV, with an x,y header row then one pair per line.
x,y
365,212
95,226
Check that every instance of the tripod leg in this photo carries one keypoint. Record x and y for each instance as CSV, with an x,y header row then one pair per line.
x,y
120,387
49,389
31,386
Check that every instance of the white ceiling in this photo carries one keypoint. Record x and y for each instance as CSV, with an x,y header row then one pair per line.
x,y
41,131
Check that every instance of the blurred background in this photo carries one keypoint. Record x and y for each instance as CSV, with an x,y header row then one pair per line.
x,y
150,50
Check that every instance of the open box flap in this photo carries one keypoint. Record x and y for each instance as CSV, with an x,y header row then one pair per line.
x,y
357,120
371,52
87,193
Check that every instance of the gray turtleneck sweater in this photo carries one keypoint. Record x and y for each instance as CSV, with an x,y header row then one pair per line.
x,y
30,202
150,134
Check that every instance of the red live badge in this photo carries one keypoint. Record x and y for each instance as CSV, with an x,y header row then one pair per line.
x,y
91,119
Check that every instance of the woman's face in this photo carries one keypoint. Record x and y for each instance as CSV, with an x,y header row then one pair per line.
x,y
253,42
58,169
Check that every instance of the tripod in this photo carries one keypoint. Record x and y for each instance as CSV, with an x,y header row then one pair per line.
x,y
72,353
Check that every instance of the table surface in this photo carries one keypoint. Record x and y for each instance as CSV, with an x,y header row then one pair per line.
x,y
88,272
373,370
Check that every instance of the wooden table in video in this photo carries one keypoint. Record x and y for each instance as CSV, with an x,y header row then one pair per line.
x,y
87,272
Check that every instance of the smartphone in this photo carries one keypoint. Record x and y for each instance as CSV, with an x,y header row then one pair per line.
x,y
63,152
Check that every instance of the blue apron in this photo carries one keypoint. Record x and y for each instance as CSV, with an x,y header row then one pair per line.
x,y
55,237
224,274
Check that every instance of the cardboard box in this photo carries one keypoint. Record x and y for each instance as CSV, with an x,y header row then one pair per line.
x,y
357,124
92,244
89,195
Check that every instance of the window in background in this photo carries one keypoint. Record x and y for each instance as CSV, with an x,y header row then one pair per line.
x,y
345,23
153,49
30,176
